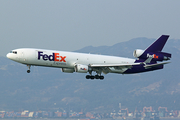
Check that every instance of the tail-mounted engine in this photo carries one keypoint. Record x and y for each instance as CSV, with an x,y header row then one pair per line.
x,y
157,56
137,53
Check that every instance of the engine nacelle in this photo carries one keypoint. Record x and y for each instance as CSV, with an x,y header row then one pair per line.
x,y
137,53
81,68
68,70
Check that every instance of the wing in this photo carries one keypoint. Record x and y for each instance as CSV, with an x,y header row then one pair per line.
x,y
113,65
114,68
121,68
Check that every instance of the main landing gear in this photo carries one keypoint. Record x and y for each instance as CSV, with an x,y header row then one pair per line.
x,y
29,66
94,77
98,76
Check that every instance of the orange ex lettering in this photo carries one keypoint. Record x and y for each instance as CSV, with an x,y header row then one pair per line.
x,y
155,56
63,59
56,56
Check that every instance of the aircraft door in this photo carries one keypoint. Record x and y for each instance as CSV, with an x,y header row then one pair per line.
x,y
22,57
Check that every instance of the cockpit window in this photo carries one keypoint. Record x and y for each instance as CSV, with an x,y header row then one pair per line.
x,y
15,52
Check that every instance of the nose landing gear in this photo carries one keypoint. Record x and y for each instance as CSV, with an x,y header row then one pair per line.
x,y
29,66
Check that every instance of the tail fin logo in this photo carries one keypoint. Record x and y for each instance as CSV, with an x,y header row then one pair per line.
x,y
153,56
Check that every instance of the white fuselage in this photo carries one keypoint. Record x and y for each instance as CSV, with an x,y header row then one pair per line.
x,y
61,59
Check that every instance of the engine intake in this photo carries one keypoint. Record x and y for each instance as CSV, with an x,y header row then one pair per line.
x,y
137,53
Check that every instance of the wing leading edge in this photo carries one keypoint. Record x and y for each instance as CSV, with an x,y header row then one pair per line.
x,y
113,65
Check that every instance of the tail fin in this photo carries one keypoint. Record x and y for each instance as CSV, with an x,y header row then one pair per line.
x,y
158,45
154,51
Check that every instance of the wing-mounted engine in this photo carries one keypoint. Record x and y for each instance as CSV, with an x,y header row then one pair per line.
x,y
156,56
81,68
68,70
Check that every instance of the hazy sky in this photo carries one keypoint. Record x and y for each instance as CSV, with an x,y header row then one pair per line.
x,y
73,24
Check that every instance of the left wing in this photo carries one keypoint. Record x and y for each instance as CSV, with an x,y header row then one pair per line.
x,y
114,68
113,65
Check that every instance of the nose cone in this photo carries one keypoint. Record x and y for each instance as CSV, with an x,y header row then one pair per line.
x,y
8,55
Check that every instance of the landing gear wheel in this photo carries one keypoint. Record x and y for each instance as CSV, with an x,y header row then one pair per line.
x,y
29,66
92,77
101,77
96,76
28,71
87,76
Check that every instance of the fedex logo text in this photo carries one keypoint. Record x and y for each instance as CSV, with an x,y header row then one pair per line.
x,y
54,57
153,56
83,69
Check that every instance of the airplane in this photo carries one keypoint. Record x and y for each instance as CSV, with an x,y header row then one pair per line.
x,y
146,60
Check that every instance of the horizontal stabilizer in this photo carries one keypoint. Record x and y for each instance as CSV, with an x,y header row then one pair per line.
x,y
155,65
